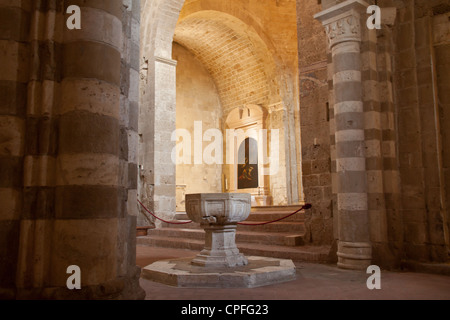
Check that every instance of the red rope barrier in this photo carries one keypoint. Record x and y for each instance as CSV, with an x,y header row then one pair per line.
x,y
170,222
304,207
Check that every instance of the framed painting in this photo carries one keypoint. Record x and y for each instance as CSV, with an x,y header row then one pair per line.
x,y
247,168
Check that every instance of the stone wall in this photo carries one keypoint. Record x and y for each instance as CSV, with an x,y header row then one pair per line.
x,y
315,116
197,100
128,125
420,146
14,75
441,28
157,185
129,103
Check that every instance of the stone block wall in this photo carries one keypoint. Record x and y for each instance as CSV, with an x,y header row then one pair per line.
x,y
129,113
315,117
128,124
420,143
14,49
157,183
441,28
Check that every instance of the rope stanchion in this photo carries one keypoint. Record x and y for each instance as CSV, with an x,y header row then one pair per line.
x,y
170,222
304,207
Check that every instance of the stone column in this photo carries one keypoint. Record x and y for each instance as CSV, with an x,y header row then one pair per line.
x,y
76,203
14,75
157,123
344,27
129,119
278,178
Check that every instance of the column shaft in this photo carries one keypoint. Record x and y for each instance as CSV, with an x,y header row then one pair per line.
x,y
14,71
343,26
75,199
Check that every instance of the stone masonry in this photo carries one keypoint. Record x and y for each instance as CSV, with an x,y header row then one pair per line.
x,y
86,119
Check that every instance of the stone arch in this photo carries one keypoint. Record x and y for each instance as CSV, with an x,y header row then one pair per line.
x,y
284,52
233,8
157,186
159,19
212,31
238,59
159,23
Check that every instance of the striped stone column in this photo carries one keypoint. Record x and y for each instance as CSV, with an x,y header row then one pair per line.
x,y
44,77
75,200
14,71
90,208
344,27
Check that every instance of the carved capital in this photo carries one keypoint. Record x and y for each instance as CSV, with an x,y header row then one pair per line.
x,y
346,28
342,21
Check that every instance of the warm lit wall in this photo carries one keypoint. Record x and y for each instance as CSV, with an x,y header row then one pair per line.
x,y
197,100
250,50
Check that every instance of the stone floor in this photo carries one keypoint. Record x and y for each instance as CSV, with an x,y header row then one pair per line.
x,y
314,282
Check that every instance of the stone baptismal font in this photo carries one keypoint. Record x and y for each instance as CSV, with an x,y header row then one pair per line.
x,y
218,214
220,263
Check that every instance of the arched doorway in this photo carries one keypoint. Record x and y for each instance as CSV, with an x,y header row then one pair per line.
x,y
247,69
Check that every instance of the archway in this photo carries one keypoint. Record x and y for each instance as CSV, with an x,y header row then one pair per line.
x,y
246,68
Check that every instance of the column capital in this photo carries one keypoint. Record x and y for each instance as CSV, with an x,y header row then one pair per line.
x,y
342,21
169,62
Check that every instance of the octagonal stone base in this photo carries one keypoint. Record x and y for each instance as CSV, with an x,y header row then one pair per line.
x,y
260,271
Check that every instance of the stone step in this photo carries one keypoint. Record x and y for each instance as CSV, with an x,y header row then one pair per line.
x,y
169,242
303,253
179,233
293,227
284,209
317,254
290,208
260,216
191,225
271,216
279,238
181,216
265,214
